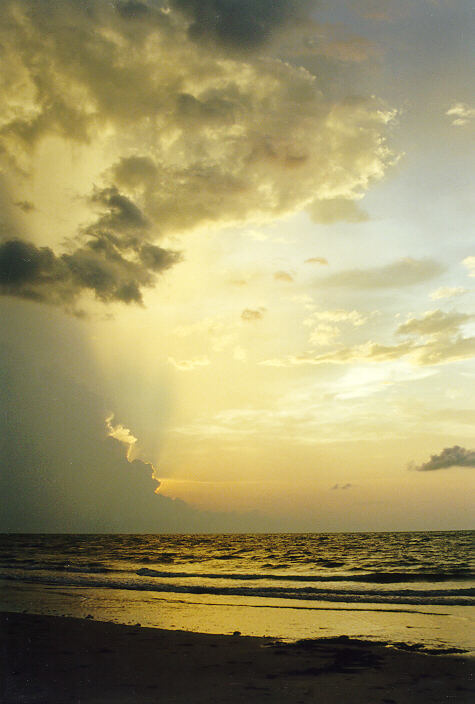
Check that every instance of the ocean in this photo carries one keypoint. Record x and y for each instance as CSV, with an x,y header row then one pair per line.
x,y
415,587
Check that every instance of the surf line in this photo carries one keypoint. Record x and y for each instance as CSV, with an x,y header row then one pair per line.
x,y
299,608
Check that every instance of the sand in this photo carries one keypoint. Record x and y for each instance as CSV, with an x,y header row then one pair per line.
x,y
49,660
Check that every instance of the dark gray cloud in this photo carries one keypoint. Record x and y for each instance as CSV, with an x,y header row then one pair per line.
x,y
38,274
113,259
239,24
455,456
405,272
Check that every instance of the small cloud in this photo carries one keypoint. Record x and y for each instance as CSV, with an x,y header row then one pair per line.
x,y
122,434
469,262
249,315
455,456
461,114
317,260
188,365
448,292
25,205
283,276
342,487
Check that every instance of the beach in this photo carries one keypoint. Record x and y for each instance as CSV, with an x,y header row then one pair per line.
x,y
49,659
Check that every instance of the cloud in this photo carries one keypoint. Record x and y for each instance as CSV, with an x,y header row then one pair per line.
x,y
122,434
283,276
243,25
197,133
455,456
324,330
188,365
338,315
469,262
448,292
405,272
328,212
99,266
461,114
434,322
317,260
436,351
25,205
250,315
63,470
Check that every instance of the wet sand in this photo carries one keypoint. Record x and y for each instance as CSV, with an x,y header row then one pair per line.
x,y
57,660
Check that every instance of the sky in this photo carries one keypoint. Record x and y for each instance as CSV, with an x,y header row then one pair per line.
x,y
236,265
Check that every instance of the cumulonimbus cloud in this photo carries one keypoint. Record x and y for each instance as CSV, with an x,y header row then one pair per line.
x,y
455,456
202,129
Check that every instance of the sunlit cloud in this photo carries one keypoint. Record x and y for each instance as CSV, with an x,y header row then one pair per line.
x,y
189,365
461,114
469,263
317,260
195,134
448,292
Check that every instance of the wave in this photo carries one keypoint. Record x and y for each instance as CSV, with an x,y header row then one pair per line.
x,y
370,578
450,597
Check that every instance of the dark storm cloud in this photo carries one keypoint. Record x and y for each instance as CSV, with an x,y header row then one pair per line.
x,y
132,10
240,24
455,456
60,470
121,213
113,259
37,274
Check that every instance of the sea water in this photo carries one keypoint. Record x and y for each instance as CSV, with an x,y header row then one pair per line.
x,y
411,587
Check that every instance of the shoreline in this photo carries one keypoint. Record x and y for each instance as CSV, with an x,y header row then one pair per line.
x,y
53,659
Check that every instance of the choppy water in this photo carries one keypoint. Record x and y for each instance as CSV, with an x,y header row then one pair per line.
x,y
380,572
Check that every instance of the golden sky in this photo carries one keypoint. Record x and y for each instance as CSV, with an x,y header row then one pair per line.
x,y
236,251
